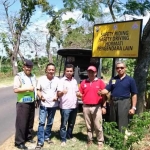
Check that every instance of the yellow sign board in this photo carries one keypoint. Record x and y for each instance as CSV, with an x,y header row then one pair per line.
x,y
119,39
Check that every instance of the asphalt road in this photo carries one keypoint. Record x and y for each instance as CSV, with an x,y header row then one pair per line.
x,y
7,113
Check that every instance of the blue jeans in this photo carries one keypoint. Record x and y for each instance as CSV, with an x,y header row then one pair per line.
x,y
45,112
67,116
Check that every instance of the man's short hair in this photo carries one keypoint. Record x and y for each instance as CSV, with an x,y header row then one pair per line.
x,y
69,66
49,64
121,62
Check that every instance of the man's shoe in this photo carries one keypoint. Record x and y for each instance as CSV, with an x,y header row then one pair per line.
x,y
49,141
72,139
21,146
89,143
39,146
63,144
31,141
100,146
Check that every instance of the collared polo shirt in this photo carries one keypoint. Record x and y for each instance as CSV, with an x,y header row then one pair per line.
x,y
48,90
68,100
90,90
122,87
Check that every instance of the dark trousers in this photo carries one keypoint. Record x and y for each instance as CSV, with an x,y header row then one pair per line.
x,y
68,116
119,112
24,122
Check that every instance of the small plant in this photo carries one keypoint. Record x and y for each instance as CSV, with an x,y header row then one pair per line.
x,y
136,130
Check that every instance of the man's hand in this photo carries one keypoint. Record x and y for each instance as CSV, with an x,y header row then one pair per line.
x,y
36,103
31,88
42,98
102,92
99,92
55,99
65,91
78,94
103,110
26,88
131,111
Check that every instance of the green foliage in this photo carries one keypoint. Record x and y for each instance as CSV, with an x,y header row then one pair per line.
x,y
56,19
114,138
38,68
6,69
130,63
27,9
69,22
3,38
148,82
78,38
5,65
89,8
136,130
93,9
106,65
137,7
54,29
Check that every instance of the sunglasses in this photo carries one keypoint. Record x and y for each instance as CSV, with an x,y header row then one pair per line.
x,y
120,68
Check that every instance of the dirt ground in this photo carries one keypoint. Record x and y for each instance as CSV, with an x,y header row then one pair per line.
x,y
9,143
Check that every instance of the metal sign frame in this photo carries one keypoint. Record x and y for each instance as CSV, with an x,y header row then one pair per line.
x,y
117,39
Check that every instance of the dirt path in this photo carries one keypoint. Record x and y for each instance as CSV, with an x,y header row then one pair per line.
x,y
9,143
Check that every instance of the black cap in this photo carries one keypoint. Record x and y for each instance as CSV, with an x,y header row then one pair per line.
x,y
28,62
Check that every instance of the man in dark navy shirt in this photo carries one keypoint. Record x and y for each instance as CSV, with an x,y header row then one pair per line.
x,y
122,88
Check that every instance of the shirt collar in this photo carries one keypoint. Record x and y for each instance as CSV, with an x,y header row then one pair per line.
x,y
118,77
67,78
94,79
49,79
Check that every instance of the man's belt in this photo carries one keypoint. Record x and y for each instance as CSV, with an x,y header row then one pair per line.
x,y
119,98
91,105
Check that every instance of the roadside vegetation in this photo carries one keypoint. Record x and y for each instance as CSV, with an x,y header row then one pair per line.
x,y
132,139
136,136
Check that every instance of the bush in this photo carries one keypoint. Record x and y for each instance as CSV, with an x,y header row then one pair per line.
x,y
136,130
6,69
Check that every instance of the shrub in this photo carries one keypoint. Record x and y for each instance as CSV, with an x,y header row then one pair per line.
x,y
136,130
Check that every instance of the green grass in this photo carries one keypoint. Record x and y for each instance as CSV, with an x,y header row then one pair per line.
x,y
6,81
80,136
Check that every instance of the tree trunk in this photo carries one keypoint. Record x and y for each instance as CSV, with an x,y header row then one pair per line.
x,y
141,69
1,59
48,50
14,65
50,57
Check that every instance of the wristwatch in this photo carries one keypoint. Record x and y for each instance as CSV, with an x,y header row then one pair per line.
x,y
134,108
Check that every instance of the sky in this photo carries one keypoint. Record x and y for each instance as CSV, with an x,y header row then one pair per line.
x,y
39,20
57,3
